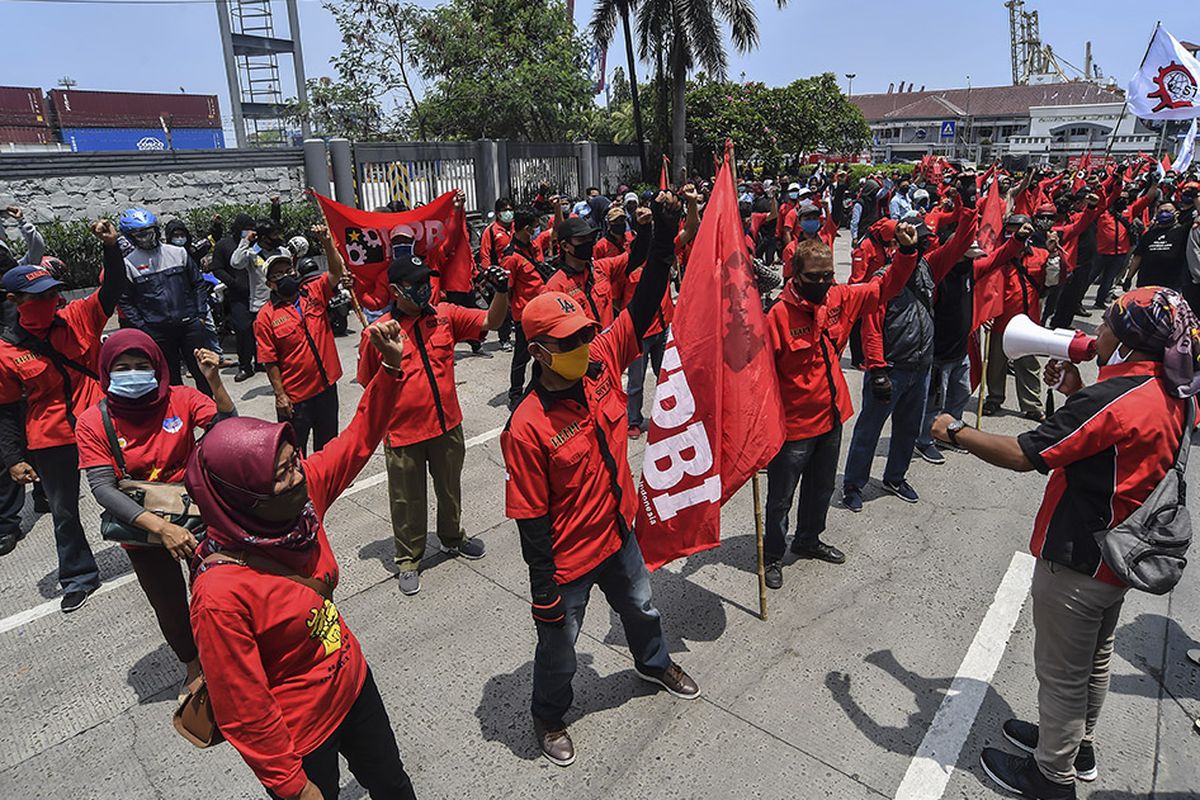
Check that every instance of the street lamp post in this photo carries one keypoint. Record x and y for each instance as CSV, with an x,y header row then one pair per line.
x,y
850,83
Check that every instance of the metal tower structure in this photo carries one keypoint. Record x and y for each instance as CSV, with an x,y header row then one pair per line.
x,y
1034,61
252,53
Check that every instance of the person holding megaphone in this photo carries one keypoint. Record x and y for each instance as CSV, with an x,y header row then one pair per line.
x,y
1107,451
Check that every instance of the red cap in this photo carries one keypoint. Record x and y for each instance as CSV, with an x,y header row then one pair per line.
x,y
886,228
1047,208
554,314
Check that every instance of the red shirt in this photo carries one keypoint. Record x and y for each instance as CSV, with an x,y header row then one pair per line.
x,y
279,331
1068,236
154,449
492,243
808,341
597,290
607,248
1106,450
524,278
427,404
75,334
543,242
866,259
553,462
1112,234
1024,283
283,668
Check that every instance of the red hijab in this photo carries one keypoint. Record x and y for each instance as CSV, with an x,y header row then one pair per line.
x,y
142,408
228,472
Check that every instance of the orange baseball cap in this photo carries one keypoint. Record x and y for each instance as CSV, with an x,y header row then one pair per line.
x,y
556,315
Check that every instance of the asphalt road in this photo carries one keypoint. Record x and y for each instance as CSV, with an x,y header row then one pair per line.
x,y
879,678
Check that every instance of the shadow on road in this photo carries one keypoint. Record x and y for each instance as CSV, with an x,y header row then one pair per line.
x,y
112,563
1140,642
384,551
156,676
504,715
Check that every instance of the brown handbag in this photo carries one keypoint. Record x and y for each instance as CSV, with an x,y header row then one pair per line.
x,y
194,717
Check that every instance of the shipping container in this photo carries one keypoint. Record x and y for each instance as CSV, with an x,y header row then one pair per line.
x,y
26,135
84,140
75,109
22,107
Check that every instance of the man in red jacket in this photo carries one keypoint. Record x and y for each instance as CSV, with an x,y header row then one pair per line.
x,y
809,329
526,279
595,283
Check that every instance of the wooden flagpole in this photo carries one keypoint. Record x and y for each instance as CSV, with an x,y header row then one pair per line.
x,y
358,312
758,537
985,342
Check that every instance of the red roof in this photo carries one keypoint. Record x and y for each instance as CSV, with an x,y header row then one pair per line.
x,y
983,101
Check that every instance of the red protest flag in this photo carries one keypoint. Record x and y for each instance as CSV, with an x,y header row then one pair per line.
x,y
717,417
664,177
365,240
829,229
1166,163
989,291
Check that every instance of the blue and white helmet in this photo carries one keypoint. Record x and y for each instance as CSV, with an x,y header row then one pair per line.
x,y
136,219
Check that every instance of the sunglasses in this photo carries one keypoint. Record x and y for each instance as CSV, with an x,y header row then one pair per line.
x,y
578,339
816,277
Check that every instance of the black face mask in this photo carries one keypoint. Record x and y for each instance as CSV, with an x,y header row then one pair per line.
x,y
288,286
616,228
583,251
419,295
285,506
813,292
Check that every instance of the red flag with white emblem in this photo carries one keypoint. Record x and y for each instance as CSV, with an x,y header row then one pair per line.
x,y
717,416
368,241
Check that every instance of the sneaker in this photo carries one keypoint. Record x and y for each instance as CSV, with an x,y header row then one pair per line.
x,y
774,575
555,742
635,433
1024,735
902,490
930,453
852,499
674,680
8,543
243,375
471,549
410,582
1035,415
73,601
1020,775
1082,311
820,552
506,346
991,408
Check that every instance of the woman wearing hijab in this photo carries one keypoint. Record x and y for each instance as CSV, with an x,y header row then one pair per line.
x,y
289,684
1106,450
155,426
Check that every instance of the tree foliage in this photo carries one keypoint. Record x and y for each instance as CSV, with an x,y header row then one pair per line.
x,y
502,69
334,108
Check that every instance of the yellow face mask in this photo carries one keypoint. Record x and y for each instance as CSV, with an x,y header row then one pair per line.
x,y
572,364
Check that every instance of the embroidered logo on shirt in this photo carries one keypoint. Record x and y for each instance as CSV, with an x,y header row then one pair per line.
x,y
172,424
807,329
25,359
275,323
565,434
325,626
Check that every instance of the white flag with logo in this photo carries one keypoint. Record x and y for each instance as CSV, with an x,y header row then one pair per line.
x,y
1187,149
1167,86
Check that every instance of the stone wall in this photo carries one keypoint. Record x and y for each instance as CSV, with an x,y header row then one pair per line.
x,y
71,197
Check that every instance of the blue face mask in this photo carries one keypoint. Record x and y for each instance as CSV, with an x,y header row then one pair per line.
x,y
132,384
794,195
810,226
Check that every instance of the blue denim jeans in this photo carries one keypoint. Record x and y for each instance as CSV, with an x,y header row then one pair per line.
x,y
58,469
653,347
907,410
812,464
949,392
626,585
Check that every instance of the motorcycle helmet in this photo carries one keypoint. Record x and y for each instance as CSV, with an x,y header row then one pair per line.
x,y
299,246
140,227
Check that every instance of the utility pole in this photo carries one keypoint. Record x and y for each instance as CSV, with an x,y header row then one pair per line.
x,y
850,83
67,83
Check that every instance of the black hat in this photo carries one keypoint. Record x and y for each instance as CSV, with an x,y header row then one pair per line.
x,y
409,268
1017,219
922,230
573,227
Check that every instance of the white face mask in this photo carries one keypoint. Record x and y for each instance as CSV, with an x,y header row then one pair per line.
x,y
1116,358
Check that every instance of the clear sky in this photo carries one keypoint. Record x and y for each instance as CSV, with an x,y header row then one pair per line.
x,y
938,43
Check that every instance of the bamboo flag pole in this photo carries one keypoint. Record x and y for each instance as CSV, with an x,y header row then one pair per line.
x,y
358,312
758,537
985,346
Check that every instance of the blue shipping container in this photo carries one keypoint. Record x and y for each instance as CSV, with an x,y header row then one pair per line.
x,y
82,140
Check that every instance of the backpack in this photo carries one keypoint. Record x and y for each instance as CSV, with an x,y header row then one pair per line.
x,y
1148,549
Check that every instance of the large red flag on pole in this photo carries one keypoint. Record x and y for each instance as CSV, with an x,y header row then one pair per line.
x,y
989,290
664,176
365,239
717,417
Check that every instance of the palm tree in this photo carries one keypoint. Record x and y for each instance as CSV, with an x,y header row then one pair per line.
x,y
604,23
692,31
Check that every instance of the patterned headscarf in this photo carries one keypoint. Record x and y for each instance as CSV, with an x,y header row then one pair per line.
x,y
1157,320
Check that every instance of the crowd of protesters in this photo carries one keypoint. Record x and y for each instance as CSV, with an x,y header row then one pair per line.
x,y
581,292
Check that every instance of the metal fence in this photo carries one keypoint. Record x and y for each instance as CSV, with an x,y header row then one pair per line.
x,y
415,173
619,169
531,165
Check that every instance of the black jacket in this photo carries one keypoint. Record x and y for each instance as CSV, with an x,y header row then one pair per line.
x,y
908,323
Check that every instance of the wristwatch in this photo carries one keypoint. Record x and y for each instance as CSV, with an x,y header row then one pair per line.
x,y
952,430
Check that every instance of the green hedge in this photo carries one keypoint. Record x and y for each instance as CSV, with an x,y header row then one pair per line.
x,y
73,243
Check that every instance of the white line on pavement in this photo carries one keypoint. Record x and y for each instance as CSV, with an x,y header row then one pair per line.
x,y
934,761
50,606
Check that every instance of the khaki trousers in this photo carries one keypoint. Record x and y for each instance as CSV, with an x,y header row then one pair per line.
x,y
1074,617
442,457
1025,369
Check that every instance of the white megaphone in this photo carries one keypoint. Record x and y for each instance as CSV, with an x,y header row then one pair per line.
x,y
1024,337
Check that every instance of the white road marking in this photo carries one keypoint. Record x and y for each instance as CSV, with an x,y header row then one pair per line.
x,y
934,761
50,606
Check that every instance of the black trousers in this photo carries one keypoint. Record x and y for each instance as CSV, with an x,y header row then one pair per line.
x,y
317,415
161,578
178,343
811,464
58,469
12,500
1061,311
242,322
366,739
520,363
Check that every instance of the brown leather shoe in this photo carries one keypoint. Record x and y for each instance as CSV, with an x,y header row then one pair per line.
x,y
556,743
674,680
